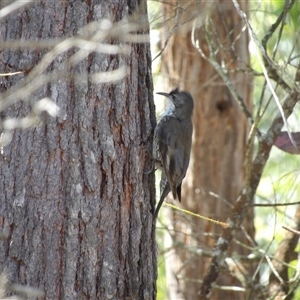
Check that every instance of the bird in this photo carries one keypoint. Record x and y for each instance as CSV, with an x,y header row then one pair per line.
x,y
173,142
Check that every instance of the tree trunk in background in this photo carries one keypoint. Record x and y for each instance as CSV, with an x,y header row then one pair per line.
x,y
74,197
219,142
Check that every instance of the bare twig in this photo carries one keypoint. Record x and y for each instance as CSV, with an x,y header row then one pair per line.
x,y
10,74
297,232
284,254
172,31
245,198
213,60
102,36
275,204
271,65
7,10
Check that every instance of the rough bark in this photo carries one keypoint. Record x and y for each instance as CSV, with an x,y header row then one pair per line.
x,y
74,197
219,143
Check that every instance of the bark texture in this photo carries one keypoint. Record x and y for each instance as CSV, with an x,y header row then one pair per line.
x,y
74,197
216,173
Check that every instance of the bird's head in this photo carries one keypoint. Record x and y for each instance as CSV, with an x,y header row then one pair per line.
x,y
182,103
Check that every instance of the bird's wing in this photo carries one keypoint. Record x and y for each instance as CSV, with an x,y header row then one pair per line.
x,y
169,135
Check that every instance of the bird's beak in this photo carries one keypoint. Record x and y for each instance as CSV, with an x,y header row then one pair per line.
x,y
164,94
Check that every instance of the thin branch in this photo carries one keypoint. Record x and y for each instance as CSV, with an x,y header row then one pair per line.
x,y
275,204
272,67
217,287
297,232
274,26
284,254
10,74
91,38
245,198
7,10
172,31
223,73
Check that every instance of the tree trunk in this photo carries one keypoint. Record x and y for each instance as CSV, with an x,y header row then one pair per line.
x,y
75,200
217,168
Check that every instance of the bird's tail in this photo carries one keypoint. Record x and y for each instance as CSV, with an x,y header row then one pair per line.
x,y
164,191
